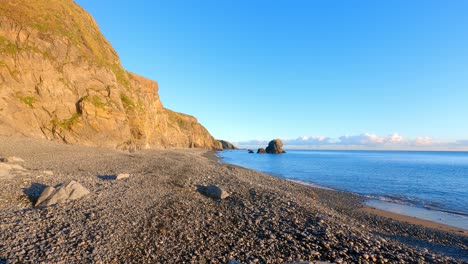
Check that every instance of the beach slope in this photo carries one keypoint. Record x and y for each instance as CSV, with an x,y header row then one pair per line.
x,y
157,214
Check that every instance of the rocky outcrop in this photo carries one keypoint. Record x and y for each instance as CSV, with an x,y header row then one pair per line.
x,y
60,79
64,192
275,147
261,151
227,145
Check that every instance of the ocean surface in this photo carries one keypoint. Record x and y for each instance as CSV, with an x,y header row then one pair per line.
x,y
427,185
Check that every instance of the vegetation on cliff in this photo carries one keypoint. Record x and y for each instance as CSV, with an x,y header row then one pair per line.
x,y
61,79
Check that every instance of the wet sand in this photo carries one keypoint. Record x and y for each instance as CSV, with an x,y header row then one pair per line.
x,y
414,220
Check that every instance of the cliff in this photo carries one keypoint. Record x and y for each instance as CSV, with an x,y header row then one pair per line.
x,y
60,79
226,144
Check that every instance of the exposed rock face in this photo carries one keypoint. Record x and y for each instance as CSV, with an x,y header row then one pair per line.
x,y
227,145
275,147
261,151
60,79
64,192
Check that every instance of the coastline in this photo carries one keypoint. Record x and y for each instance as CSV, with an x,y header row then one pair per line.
x,y
414,220
157,214
414,215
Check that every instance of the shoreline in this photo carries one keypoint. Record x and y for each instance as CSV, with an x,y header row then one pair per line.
x,y
412,219
399,217
158,214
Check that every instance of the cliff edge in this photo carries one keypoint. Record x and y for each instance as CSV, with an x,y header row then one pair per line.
x,y
60,79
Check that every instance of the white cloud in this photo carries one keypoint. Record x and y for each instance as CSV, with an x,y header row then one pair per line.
x,y
395,138
424,141
312,140
363,141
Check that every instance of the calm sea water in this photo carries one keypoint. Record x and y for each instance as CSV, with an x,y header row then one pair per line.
x,y
437,181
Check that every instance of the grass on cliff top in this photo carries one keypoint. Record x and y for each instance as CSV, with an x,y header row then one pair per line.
x,y
67,19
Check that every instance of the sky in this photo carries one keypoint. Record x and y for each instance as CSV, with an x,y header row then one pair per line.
x,y
379,74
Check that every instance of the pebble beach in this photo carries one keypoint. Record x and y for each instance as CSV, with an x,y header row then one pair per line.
x,y
159,215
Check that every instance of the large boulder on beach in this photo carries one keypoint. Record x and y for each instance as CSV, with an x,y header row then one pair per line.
x,y
6,170
275,147
61,193
14,159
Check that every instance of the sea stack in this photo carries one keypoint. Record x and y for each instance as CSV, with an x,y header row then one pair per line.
x,y
275,147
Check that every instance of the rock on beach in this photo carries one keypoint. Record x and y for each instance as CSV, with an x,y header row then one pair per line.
x,y
64,192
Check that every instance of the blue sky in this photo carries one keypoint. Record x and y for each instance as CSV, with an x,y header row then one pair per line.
x,y
267,69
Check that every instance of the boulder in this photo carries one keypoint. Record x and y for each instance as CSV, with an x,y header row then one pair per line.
x,y
5,169
250,151
15,159
61,193
214,192
275,147
6,166
122,176
261,151
5,175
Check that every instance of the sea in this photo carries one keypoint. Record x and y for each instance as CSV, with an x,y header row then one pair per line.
x,y
427,185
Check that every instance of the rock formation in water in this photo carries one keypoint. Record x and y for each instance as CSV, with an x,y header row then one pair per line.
x,y
60,79
275,147
261,151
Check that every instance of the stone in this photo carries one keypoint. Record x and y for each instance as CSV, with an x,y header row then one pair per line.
x,y
5,166
15,159
122,176
250,151
5,175
275,147
261,151
214,192
64,192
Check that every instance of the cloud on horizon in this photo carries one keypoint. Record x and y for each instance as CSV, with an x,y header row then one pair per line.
x,y
364,140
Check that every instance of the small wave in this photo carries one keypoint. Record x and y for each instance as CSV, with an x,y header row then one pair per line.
x,y
310,184
413,202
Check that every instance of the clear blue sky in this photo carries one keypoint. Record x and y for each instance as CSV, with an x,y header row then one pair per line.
x,y
266,69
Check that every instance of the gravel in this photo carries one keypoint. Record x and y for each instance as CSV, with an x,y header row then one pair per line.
x,y
158,216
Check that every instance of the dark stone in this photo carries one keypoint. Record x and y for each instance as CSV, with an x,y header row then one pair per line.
x,y
261,151
250,151
275,147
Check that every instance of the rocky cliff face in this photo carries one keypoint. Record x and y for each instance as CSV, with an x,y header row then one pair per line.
x,y
60,79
